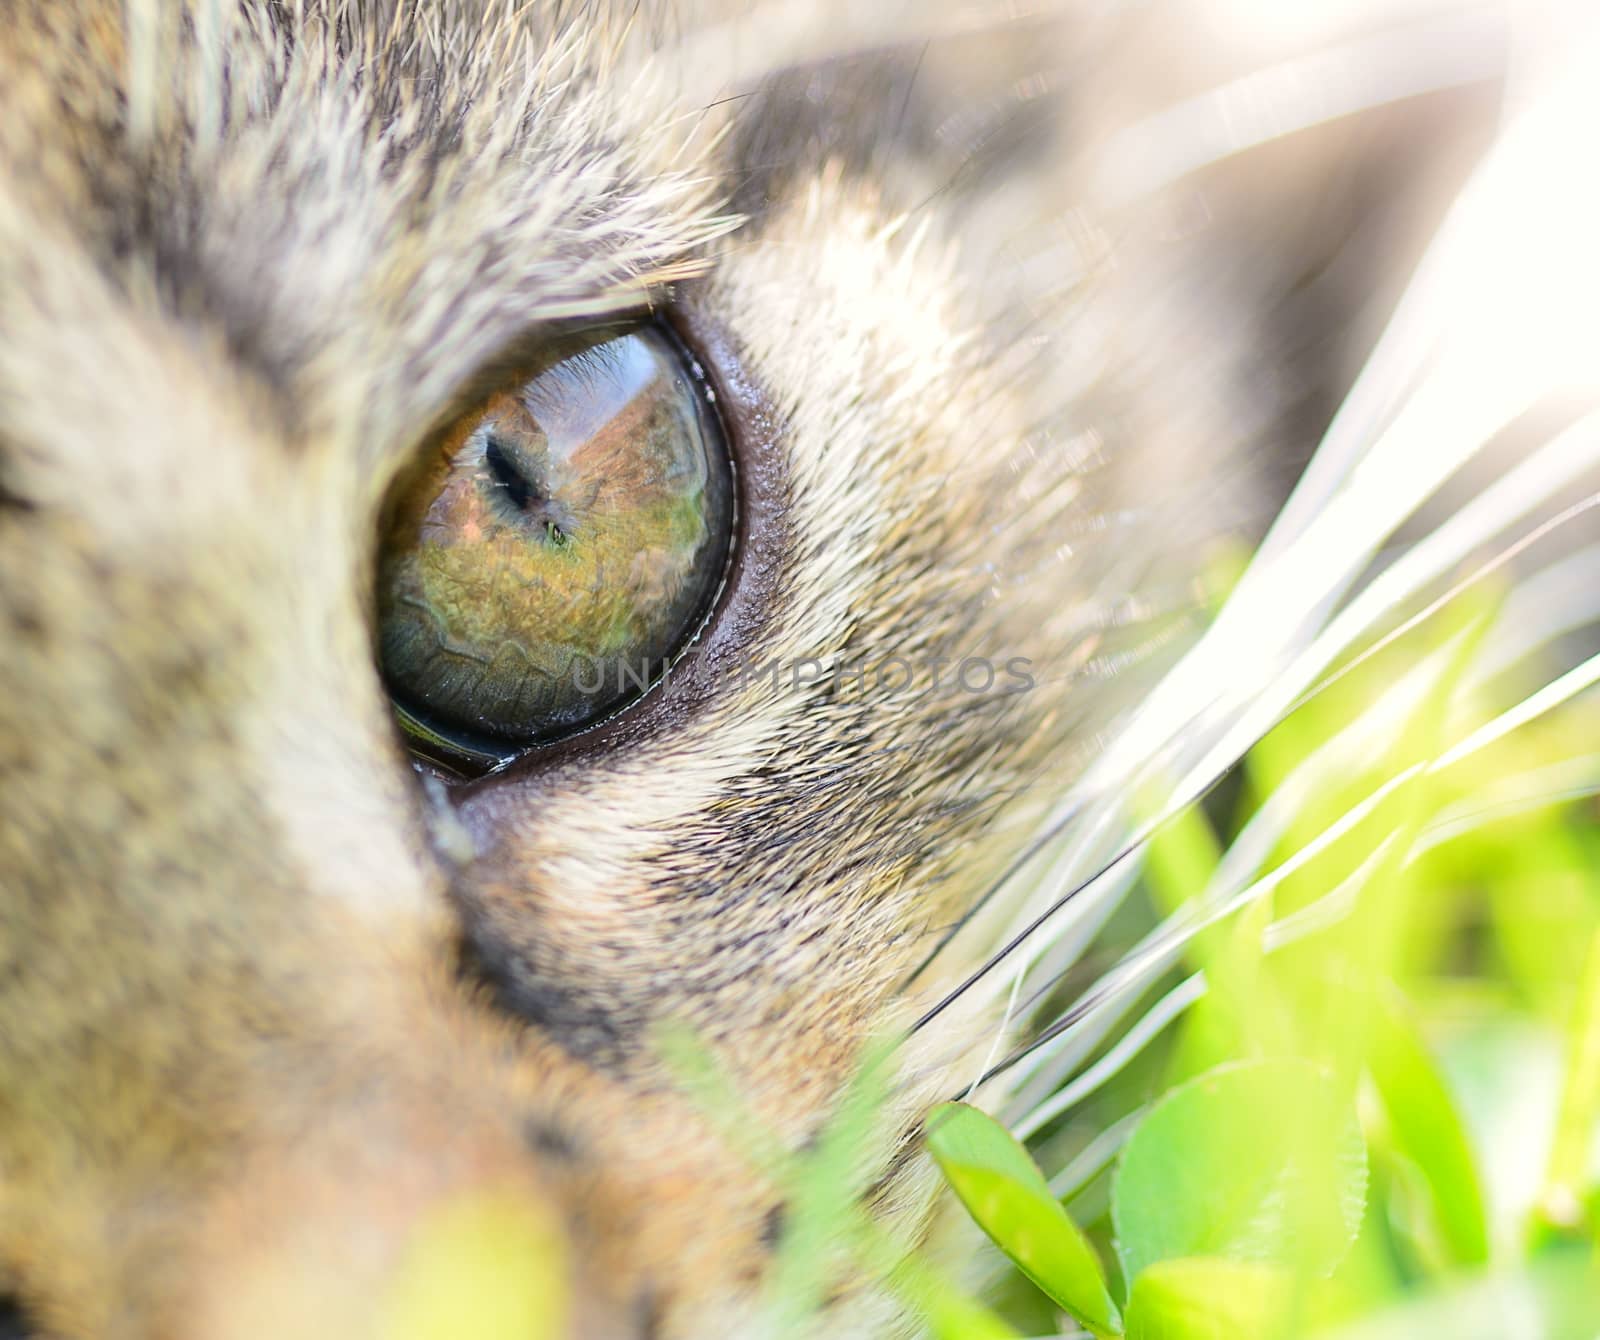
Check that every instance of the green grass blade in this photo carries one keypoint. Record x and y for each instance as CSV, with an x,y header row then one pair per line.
x,y
1429,1131
1567,1196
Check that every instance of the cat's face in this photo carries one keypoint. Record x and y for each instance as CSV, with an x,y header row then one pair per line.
x,y
274,1002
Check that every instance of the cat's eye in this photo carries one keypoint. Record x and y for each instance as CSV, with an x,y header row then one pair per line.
x,y
557,552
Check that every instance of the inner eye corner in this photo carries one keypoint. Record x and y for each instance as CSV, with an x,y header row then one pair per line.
x,y
566,537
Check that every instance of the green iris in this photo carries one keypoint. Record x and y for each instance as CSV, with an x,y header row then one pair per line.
x,y
564,548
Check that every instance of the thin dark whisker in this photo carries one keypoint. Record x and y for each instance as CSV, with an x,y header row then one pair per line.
x,y
999,956
999,882
911,84
985,141
1021,937
1077,1011
1177,931
732,97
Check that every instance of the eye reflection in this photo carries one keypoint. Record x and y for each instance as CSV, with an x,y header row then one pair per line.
x,y
562,549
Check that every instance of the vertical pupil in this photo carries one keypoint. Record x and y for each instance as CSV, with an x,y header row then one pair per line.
x,y
506,475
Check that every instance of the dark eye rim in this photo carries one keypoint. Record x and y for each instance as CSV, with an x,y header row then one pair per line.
x,y
734,614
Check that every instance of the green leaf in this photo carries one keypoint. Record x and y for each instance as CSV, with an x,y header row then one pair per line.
x,y
1429,1131
1007,1196
1256,1161
1212,1298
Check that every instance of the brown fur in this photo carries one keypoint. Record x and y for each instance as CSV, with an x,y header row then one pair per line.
x,y
264,997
